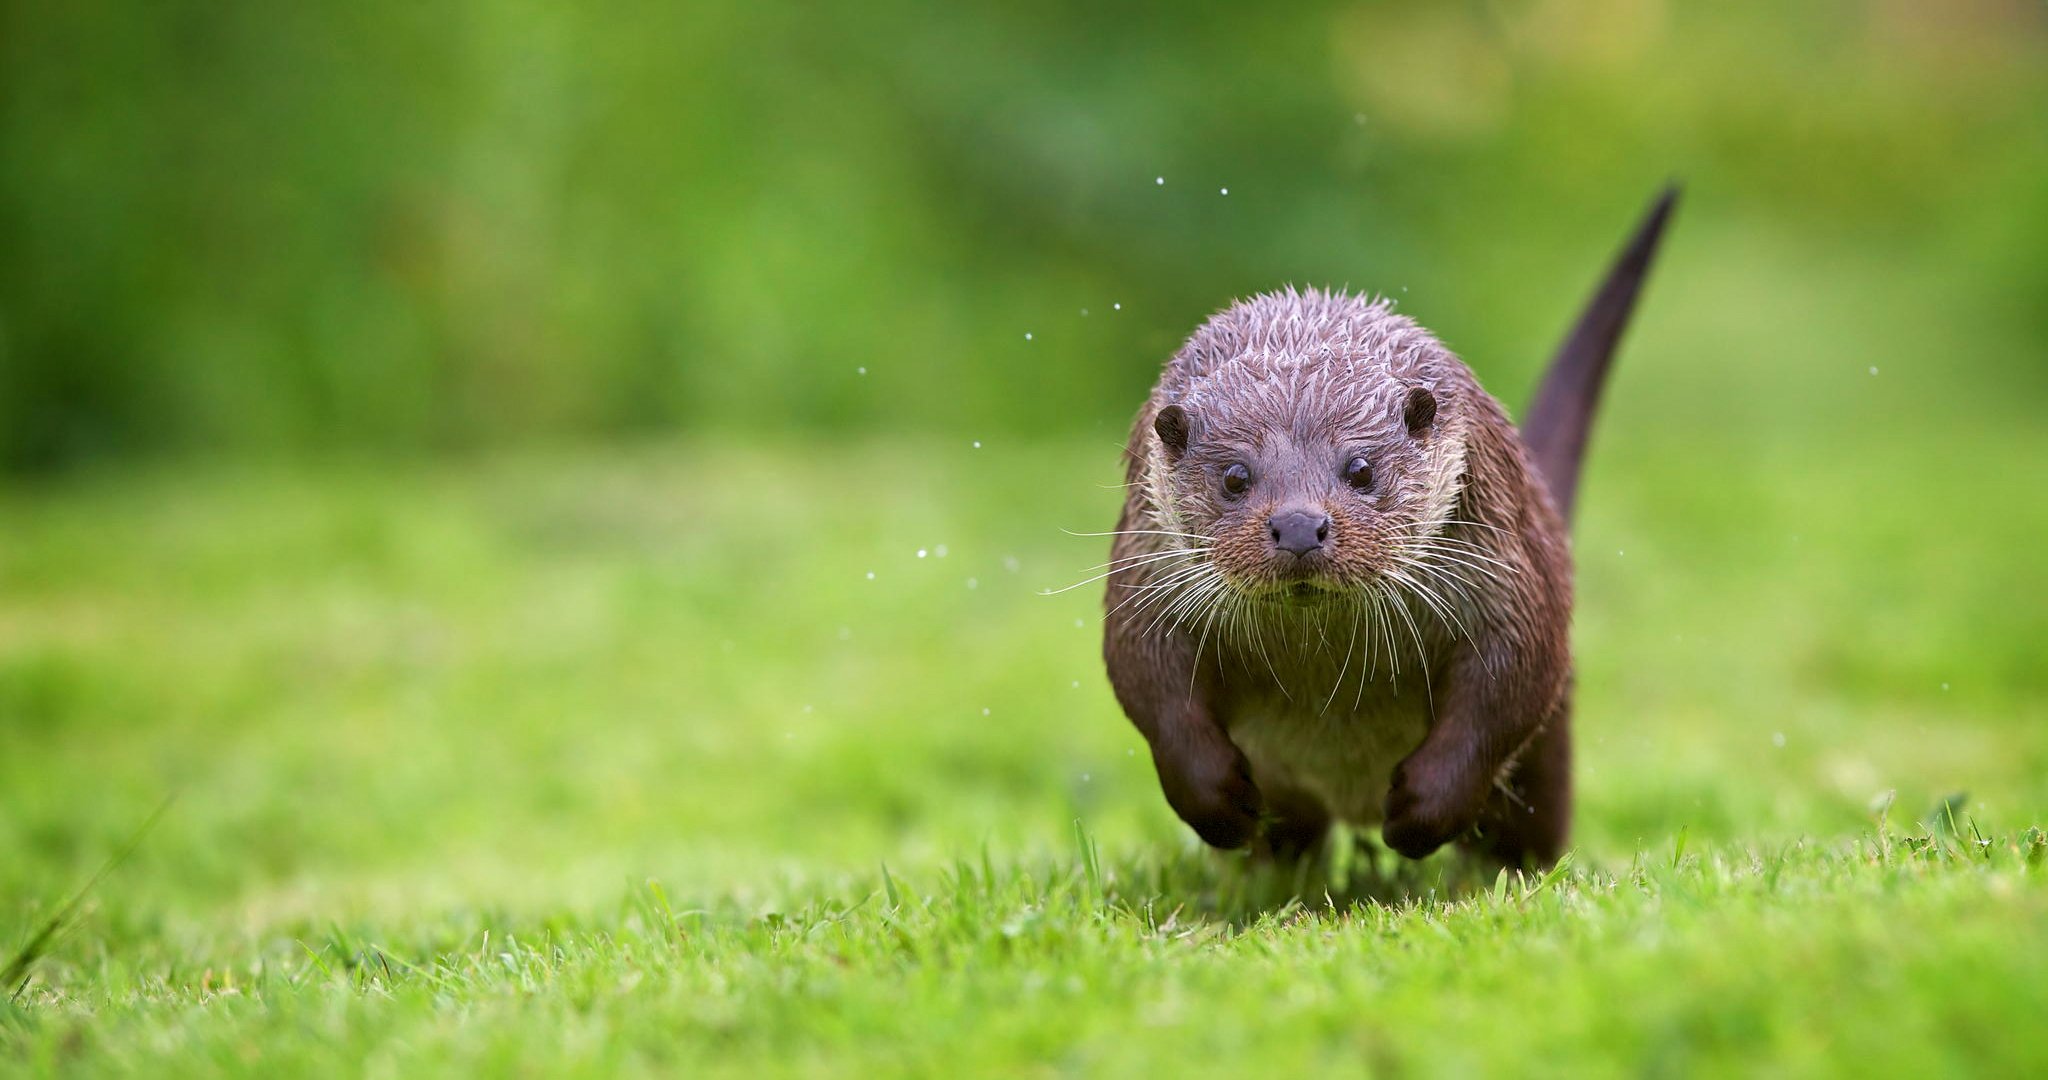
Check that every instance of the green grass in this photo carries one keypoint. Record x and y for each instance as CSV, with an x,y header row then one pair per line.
x,y
591,762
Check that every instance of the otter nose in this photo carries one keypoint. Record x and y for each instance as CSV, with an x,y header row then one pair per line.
x,y
1300,531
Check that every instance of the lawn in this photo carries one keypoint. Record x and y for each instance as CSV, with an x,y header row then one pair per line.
x,y
699,757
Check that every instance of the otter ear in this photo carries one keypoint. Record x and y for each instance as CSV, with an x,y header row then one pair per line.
x,y
1173,425
1420,412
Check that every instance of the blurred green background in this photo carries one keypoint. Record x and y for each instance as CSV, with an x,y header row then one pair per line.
x,y
393,228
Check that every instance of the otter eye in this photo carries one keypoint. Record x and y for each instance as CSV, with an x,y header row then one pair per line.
x,y
1236,479
1358,473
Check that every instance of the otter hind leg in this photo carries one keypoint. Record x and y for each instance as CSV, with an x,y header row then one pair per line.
x,y
1528,818
1296,823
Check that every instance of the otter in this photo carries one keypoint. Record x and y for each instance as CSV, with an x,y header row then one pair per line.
x,y
1341,585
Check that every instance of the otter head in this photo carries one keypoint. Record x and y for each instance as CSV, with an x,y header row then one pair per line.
x,y
1315,470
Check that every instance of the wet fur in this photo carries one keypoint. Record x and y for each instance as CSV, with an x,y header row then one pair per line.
x,y
1415,671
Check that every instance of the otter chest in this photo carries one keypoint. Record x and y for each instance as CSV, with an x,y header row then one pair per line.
x,y
1342,756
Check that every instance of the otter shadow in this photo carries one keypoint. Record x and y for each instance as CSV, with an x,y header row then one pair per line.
x,y
1239,889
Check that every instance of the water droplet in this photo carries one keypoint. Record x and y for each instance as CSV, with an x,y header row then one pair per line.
x,y
977,444
1027,335
1224,191
860,371
1944,686
1084,313
1777,738
1159,180
1077,684
845,633
1011,564
1085,777
1118,306
807,708
871,575
1873,369
940,551
984,712
1080,622
921,553
1358,118
973,584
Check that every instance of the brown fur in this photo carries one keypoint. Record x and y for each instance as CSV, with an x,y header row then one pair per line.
x,y
1341,586
1306,688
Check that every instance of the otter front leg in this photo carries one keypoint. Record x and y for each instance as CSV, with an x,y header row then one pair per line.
x,y
1206,778
1490,705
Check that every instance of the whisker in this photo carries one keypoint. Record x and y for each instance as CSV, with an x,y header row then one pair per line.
x,y
1421,660
1144,556
1344,670
1447,610
1169,573
1463,547
1208,620
1451,522
1460,561
1143,532
1177,611
1232,622
1428,597
1472,559
1113,571
1428,577
1382,625
1259,632
1446,543
1147,595
1167,601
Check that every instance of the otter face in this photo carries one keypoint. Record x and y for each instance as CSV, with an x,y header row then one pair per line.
x,y
1309,495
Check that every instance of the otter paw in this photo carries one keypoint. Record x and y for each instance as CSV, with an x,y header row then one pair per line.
x,y
1224,808
1229,818
1423,816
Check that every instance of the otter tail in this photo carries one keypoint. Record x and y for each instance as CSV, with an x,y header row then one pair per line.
x,y
1562,414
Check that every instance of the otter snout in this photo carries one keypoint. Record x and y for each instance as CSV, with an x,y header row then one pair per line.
x,y
1299,530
